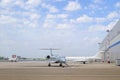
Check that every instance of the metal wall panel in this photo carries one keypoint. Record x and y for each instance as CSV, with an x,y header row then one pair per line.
x,y
110,45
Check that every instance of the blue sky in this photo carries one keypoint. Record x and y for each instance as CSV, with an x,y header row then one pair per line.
x,y
74,26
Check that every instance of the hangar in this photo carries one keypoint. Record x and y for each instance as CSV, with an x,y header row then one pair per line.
x,y
111,44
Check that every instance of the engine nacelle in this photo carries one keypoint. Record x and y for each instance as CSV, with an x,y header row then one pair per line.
x,y
48,57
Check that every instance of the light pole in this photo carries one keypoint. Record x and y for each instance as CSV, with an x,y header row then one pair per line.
x,y
108,44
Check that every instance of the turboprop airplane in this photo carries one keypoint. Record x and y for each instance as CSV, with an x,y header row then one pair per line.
x,y
55,58
94,58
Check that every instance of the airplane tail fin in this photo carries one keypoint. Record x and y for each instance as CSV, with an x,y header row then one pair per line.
x,y
99,55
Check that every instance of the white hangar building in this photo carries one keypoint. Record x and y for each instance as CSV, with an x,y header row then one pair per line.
x,y
111,44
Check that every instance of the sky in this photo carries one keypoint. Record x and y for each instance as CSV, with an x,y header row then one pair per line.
x,y
73,26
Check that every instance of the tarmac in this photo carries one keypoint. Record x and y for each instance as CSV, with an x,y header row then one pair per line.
x,y
75,71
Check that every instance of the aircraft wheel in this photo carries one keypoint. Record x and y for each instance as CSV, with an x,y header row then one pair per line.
x,y
60,64
49,64
83,62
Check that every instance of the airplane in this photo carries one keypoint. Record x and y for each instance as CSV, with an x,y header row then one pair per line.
x,y
63,60
94,58
13,58
55,58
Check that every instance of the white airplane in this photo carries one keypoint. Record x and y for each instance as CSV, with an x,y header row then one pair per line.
x,y
96,57
55,58
63,60
13,58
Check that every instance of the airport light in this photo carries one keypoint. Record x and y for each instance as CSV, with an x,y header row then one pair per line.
x,y
108,43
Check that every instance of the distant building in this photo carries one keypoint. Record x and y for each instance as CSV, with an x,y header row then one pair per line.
x,y
111,44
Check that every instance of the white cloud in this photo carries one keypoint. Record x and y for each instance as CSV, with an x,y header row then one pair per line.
x,y
33,24
7,19
33,2
72,6
59,0
55,16
97,1
29,23
99,27
95,40
100,19
34,16
51,8
117,5
27,5
62,16
95,6
50,16
84,18
112,15
53,20
48,23
95,28
7,42
21,21
19,3
5,2
64,26
28,19
92,39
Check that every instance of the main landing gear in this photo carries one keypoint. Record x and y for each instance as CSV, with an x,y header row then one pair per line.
x,y
49,64
61,65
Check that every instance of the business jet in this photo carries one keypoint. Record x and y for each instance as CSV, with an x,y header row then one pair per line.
x,y
63,60
55,58
96,57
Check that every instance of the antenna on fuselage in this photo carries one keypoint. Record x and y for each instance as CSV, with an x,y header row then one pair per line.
x,y
51,50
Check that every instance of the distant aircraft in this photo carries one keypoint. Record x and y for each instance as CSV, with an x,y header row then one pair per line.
x,y
55,58
94,58
13,58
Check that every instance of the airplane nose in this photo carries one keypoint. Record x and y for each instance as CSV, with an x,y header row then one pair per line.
x,y
63,59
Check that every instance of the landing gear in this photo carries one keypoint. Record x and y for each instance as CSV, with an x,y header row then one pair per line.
x,y
49,64
84,63
60,65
